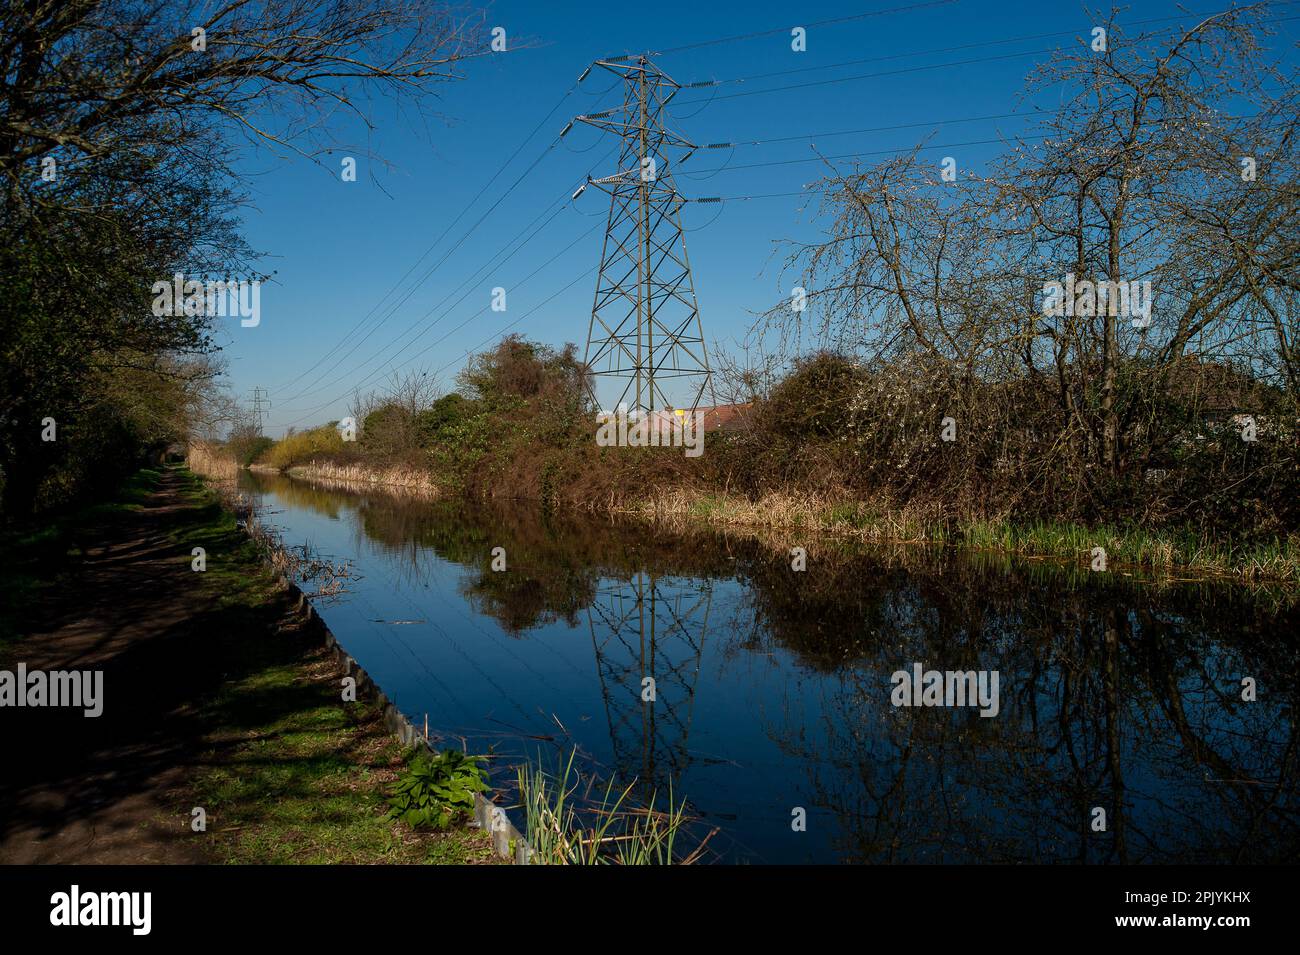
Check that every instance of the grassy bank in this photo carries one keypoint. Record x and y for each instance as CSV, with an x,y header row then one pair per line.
x,y
254,728
1169,551
1178,552
307,786
306,783
1165,551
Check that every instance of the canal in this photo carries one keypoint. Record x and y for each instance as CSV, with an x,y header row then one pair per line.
x,y
773,698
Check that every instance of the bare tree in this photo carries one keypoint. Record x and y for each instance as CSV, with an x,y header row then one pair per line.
x,y
745,372
81,75
1170,160
390,419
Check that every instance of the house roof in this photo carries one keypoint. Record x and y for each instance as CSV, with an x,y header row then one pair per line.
x,y
725,417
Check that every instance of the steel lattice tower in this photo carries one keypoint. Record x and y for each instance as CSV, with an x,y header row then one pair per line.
x,y
645,325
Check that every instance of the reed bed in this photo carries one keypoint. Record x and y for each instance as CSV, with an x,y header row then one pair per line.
x,y
405,479
209,462
1166,551
866,521
610,831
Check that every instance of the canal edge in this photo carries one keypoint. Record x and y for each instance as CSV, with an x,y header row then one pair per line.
x,y
503,832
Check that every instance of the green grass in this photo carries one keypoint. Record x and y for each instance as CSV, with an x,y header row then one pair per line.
x,y
289,773
308,786
849,513
1178,549
707,506
295,774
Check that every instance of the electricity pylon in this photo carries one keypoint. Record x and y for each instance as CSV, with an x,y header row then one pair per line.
x,y
645,325
261,405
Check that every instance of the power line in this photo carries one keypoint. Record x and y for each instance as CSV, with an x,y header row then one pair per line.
x,y
505,328
786,29
1036,113
768,195
904,149
412,290
494,262
316,385
487,185
365,381
869,129
870,152
493,337
947,49
880,73
867,76
774,195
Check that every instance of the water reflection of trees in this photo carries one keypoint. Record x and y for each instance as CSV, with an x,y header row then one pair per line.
x,y
1109,699
1113,695
555,561
294,493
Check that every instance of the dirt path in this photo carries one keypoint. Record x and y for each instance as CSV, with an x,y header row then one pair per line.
x,y
216,692
96,790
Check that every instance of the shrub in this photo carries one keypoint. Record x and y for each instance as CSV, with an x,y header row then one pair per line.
x,y
813,399
517,371
246,445
447,412
322,442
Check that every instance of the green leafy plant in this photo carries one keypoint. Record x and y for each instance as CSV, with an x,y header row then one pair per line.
x,y
435,789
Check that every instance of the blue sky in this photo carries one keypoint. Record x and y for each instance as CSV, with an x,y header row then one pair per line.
x,y
338,248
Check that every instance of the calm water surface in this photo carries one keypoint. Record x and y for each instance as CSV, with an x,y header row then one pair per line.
x,y
773,687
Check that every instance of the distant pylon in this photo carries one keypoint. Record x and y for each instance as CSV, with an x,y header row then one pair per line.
x,y
261,405
645,328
